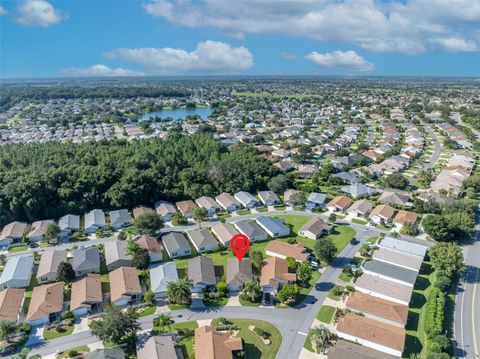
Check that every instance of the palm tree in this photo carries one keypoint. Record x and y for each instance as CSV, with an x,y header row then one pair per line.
x,y
163,320
319,335
200,214
179,292
7,328
251,291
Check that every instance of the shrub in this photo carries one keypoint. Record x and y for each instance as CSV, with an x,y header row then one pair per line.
x,y
443,281
72,353
262,333
435,313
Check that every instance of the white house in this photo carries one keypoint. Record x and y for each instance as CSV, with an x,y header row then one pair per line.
x,y
95,219
17,273
160,276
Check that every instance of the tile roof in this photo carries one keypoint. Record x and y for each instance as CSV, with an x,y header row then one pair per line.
x,y
46,299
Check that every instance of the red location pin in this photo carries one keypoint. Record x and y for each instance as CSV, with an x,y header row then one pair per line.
x,y
240,244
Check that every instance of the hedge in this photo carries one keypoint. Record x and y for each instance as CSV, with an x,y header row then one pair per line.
x,y
434,315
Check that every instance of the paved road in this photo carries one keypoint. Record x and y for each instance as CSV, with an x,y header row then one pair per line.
x,y
437,151
467,308
456,116
292,323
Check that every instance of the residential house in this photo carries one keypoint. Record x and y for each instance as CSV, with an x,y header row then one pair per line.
x,y
273,226
125,286
384,288
398,258
339,203
283,250
12,232
359,190
38,230
346,350
68,224
201,273
151,244
399,245
315,228
289,193
228,202
372,333
186,208
252,230
86,260
348,177
86,295
160,276
224,232
405,216
95,219
140,210
11,303
210,344
106,353
49,262
274,274
166,210
46,304
120,219
158,347
17,273
383,212
396,198
316,200
306,171
269,198
238,273
116,255
361,208
176,245
383,310
391,272
202,240
209,204
246,199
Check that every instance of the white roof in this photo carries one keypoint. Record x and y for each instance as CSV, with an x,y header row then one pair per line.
x,y
161,274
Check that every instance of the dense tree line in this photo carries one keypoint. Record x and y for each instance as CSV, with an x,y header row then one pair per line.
x,y
48,180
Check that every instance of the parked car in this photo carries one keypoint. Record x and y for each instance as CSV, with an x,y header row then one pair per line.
x,y
354,241
313,264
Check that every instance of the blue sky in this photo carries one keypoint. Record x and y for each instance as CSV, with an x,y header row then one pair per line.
x,y
41,38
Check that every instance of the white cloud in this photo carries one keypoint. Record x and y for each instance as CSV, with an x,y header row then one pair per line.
x,y
346,60
455,44
288,56
3,11
208,57
383,26
38,13
100,71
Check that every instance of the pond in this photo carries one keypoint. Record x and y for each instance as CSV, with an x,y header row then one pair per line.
x,y
178,113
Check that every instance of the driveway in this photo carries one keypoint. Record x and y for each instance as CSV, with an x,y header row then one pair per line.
x,y
36,337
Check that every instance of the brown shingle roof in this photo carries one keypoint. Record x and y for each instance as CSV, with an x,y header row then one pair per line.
x,y
406,216
138,211
150,244
210,344
296,251
186,206
123,281
372,331
274,270
378,307
46,299
341,202
11,303
85,291
383,210
316,225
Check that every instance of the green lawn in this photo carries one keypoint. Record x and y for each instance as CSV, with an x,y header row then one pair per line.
x,y
263,209
341,236
372,240
332,295
243,212
325,314
186,342
359,221
221,302
81,349
178,306
18,248
147,311
303,292
247,303
52,334
253,344
345,276
105,283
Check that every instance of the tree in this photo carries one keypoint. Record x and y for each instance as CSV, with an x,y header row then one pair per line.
x,y
141,259
325,250
222,289
3,259
133,247
319,335
279,184
288,292
149,297
439,344
298,199
148,223
178,219
199,215
304,272
251,291
23,354
65,272
292,263
443,281
7,328
409,229
453,225
162,321
447,258
257,260
332,218
115,325
395,180
179,292
51,233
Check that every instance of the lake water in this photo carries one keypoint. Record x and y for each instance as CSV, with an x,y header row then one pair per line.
x,y
178,113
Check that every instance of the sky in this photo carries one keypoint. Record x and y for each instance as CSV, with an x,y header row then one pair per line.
x,y
90,38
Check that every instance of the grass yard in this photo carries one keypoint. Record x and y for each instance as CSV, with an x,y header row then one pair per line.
x,y
359,221
341,236
18,248
147,311
372,240
303,292
65,354
221,302
247,303
178,306
253,344
345,276
53,334
186,342
105,283
332,295
326,313
263,209
243,212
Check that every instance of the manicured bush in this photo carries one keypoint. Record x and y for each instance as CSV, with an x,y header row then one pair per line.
x,y
434,316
